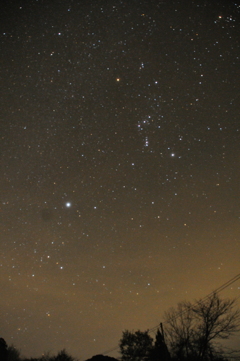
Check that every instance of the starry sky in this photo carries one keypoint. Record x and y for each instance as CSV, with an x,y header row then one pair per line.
x,y
120,151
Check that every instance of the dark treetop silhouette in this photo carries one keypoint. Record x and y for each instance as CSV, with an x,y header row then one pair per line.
x,y
3,350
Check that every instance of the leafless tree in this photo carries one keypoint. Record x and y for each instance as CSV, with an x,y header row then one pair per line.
x,y
192,328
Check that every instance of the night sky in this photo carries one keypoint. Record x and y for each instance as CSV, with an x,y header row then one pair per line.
x,y
120,176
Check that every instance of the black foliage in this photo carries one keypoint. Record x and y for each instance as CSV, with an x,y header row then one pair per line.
x,y
160,349
101,358
3,350
62,356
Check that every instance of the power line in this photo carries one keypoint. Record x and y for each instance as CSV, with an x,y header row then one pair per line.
x,y
111,350
216,291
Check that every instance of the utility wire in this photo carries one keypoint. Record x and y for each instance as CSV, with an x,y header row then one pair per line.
x,y
216,291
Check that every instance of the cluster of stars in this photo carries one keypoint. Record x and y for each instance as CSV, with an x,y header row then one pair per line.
x,y
119,174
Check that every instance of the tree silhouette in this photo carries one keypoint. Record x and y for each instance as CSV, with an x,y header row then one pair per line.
x,y
160,351
135,346
62,356
3,350
192,329
13,353
102,358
